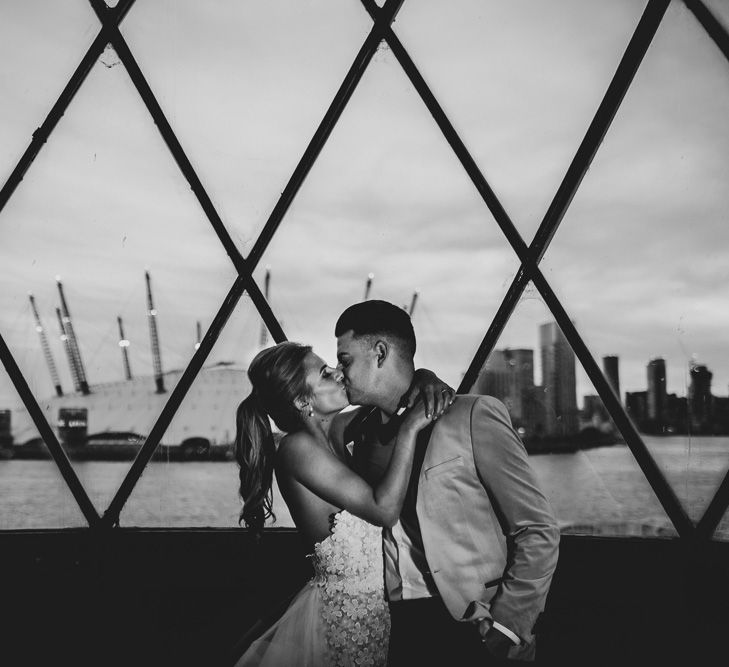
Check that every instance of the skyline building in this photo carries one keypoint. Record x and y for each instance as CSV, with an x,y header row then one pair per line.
x,y
558,381
636,405
657,398
508,375
700,401
612,373
551,410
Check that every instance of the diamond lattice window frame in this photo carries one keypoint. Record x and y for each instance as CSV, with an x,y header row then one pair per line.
x,y
528,255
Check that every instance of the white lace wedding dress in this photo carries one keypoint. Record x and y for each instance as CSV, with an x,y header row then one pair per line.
x,y
340,617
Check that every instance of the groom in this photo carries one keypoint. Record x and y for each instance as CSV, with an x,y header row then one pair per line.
x,y
469,564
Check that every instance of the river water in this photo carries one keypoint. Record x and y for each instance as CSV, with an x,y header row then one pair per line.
x,y
597,491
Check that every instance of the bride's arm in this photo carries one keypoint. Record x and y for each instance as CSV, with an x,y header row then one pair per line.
x,y
300,457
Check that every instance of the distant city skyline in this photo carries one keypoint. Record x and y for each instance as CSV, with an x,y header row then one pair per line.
x,y
550,407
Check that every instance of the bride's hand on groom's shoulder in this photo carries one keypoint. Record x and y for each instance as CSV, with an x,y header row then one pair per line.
x,y
436,395
415,419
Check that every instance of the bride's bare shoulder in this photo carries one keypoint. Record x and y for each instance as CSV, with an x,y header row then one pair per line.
x,y
293,441
294,448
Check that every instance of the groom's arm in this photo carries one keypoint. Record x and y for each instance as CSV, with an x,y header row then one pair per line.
x,y
526,518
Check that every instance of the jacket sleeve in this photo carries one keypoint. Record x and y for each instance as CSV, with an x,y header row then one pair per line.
x,y
526,518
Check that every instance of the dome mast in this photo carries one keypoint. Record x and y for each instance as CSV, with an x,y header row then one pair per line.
x,y
124,345
70,334
412,304
154,338
46,348
368,286
69,353
266,289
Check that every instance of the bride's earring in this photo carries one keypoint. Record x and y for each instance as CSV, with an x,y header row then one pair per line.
x,y
311,411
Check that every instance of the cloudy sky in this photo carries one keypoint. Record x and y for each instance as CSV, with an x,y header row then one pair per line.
x,y
640,259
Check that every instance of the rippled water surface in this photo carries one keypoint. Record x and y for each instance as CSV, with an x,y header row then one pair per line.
x,y
592,491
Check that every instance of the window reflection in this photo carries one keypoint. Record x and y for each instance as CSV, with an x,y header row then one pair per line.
x,y
720,10
722,530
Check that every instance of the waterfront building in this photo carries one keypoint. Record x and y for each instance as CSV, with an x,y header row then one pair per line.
x,y
636,405
700,401
610,368
508,375
593,410
558,380
6,439
721,414
129,409
657,399
677,414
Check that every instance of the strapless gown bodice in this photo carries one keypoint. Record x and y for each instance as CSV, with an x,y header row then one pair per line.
x,y
340,617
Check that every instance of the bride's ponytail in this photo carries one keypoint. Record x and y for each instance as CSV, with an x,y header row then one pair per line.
x,y
254,451
278,377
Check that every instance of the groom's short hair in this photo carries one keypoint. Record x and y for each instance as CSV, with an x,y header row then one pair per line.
x,y
378,318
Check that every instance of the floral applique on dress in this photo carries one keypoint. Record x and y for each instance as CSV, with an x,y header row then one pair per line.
x,y
348,572
340,617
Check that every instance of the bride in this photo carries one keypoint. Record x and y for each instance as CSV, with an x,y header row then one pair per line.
x,y
340,617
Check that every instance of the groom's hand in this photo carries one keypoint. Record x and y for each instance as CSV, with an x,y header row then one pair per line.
x,y
497,643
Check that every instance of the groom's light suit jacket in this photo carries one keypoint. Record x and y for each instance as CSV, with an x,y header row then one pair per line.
x,y
490,538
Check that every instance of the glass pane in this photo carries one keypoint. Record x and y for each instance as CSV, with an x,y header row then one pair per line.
x,y
387,197
34,493
720,10
588,473
193,480
41,44
520,81
639,260
260,76
103,204
722,530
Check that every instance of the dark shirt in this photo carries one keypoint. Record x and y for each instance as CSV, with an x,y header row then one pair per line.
x,y
373,444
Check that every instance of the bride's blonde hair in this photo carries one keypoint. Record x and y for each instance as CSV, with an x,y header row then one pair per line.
x,y
278,377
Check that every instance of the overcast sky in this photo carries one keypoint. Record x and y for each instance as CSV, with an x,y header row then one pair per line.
x,y
640,259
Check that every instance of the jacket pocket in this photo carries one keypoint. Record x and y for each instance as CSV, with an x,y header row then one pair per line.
x,y
443,467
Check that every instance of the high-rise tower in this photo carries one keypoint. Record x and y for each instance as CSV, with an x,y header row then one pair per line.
x,y
73,346
699,398
657,398
558,380
509,376
159,378
610,368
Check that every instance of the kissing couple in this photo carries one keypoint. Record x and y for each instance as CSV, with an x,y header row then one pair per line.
x,y
430,539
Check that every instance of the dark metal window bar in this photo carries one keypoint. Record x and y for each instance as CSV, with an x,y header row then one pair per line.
x,y
529,256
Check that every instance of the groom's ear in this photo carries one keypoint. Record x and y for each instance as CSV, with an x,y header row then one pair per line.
x,y
382,350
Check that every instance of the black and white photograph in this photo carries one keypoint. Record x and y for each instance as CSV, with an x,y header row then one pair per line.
x,y
364,332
